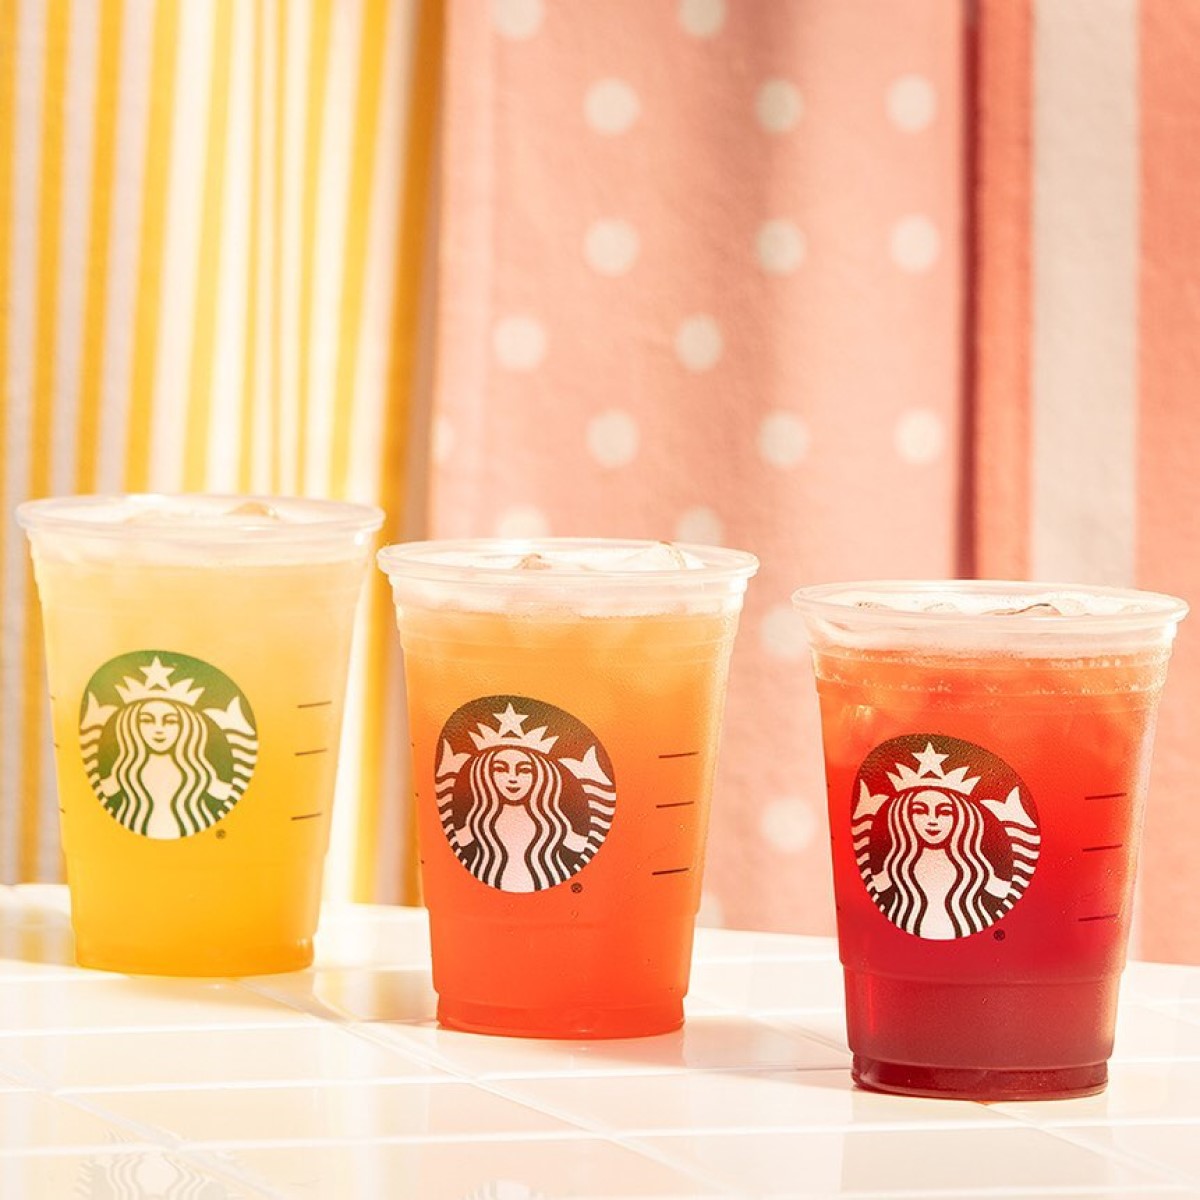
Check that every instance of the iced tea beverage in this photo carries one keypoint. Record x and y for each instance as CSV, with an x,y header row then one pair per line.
x,y
987,748
565,702
197,650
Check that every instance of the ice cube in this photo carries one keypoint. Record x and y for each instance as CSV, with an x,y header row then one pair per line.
x,y
254,508
661,556
533,562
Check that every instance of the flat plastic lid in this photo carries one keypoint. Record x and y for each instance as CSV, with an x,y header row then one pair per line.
x,y
986,613
535,563
548,578
202,519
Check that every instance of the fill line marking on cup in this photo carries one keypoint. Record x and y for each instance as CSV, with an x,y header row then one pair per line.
x,y
676,804
1112,846
306,816
1102,917
1107,796
681,754
321,750
316,704
672,871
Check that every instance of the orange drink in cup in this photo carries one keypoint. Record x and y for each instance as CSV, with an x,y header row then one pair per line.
x,y
197,649
565,701
987,749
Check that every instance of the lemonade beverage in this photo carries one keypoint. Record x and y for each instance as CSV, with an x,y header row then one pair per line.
x,y
565,702
197,650
987,748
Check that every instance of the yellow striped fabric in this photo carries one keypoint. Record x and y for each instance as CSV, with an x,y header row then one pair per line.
x,y
213,237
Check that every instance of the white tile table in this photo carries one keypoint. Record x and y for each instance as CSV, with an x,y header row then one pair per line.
x,y
336,1082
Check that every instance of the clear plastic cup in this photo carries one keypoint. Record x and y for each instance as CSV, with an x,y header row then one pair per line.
x,y
987,749
565,701
197,649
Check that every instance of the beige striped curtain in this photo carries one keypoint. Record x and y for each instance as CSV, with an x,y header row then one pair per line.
x,y
214,252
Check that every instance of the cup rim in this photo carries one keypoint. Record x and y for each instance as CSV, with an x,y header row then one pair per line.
x,y
1145,609
76,515
417,560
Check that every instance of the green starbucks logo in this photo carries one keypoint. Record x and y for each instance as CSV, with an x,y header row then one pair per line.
x,y
169,742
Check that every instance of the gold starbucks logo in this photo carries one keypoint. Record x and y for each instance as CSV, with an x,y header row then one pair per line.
x,y
525,792
946,835
169,742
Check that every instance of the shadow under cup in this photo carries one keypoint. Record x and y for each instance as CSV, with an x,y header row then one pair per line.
x,y
564,706
197,650
987,750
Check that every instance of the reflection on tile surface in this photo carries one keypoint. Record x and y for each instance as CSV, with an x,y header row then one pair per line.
x,y
353,1111
912,1162
90,1001
707,1042
359,994
119,1175
206,1056
737,1100
336,1082
32,1120
582,1169
1175,1146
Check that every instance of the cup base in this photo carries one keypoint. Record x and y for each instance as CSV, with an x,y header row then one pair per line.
x,y
965,1083
217,962
570,1023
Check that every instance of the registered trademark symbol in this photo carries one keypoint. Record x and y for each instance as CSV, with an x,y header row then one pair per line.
x,y
577,888
220,833
999,935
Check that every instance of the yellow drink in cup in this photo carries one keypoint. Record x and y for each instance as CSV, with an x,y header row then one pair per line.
x,y
197,649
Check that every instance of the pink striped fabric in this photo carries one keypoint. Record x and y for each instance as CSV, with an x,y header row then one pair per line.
x,y
1087,360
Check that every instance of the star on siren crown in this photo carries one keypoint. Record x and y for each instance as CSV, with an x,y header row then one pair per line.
x,y
929,774
510,731
158,686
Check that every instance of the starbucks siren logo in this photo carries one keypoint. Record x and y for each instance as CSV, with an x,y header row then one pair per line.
x,y
168,742
523,810
944,852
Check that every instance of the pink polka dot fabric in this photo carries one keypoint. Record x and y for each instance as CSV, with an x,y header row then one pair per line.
x,y
700,279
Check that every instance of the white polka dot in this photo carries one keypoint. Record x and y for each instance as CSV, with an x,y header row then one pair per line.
x,y
779,106
611,106
783,438
911,103
519,343
712,912
920,436
443,440
522,521
700,526
611,246
612,438
781,247
782,633
698,343
701,18
915,243
517,19
789,824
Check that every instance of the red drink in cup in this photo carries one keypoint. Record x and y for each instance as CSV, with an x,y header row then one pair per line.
x,y
987,748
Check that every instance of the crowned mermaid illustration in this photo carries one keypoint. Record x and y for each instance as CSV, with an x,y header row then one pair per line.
x,y
517,816
938,861
160,765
